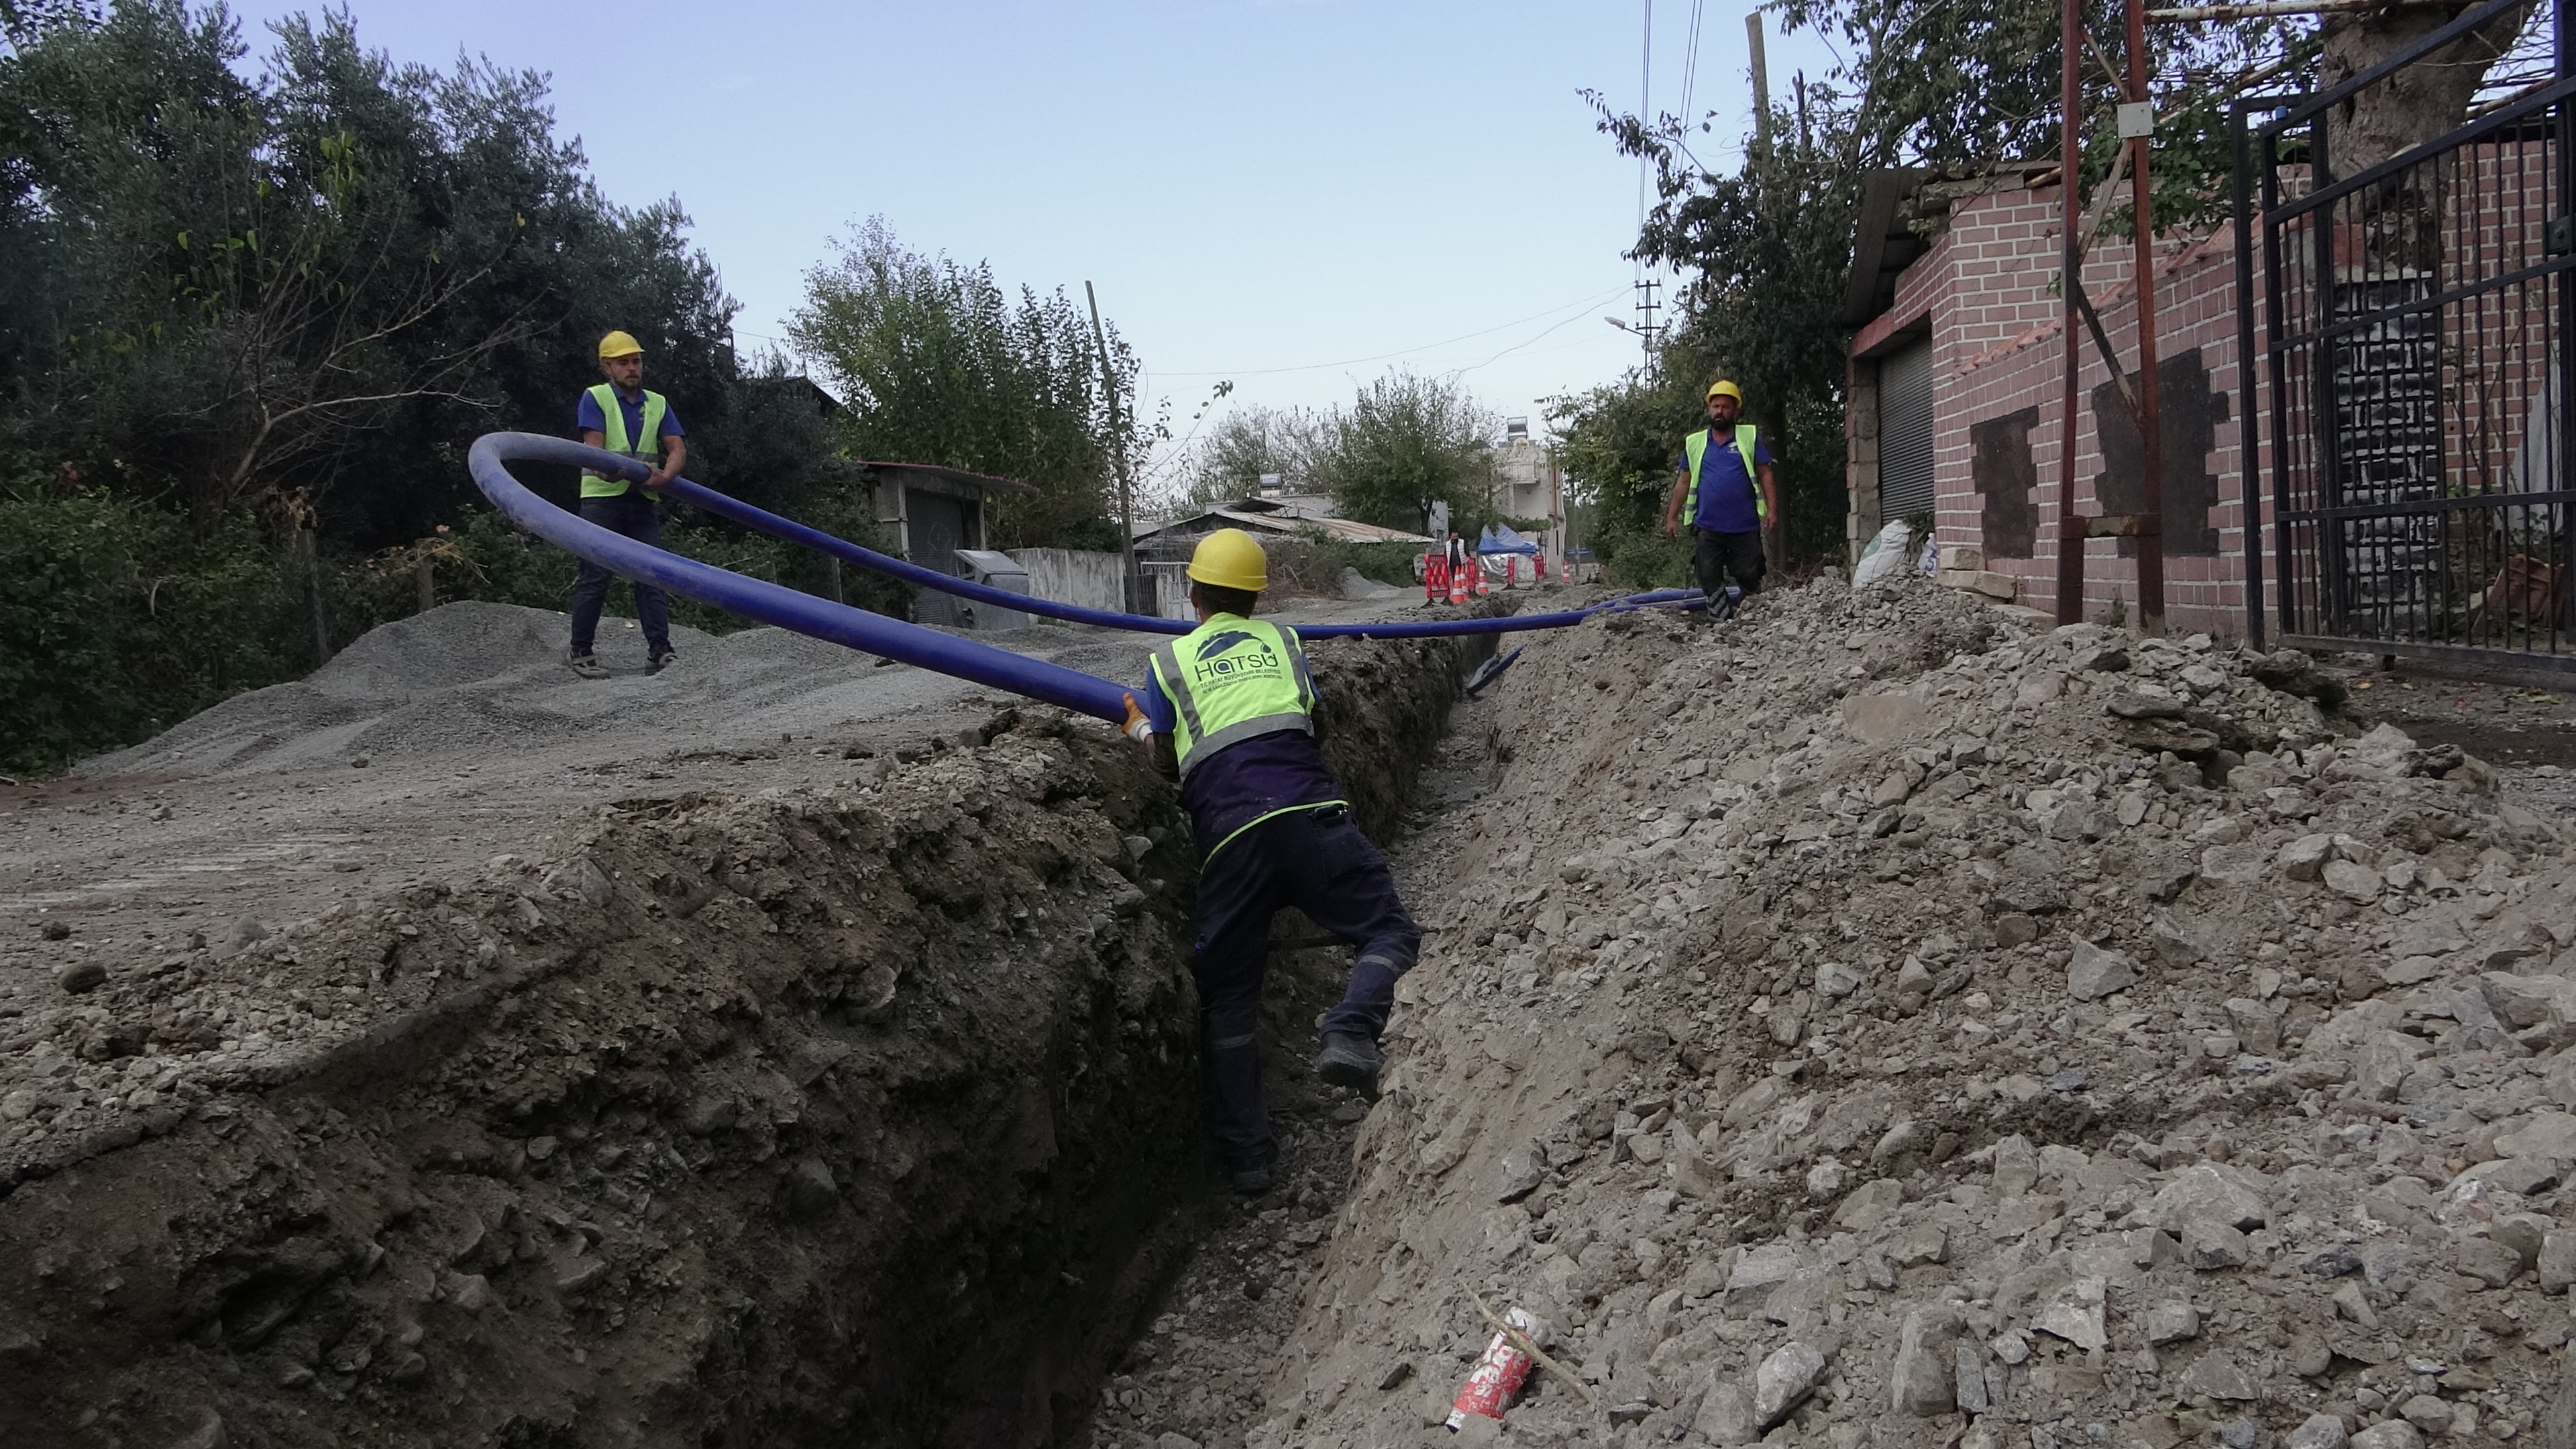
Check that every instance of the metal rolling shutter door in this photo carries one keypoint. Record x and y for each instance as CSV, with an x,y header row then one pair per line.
x,y
1905,432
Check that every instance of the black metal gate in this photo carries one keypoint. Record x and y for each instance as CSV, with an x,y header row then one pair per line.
x,y
2411,316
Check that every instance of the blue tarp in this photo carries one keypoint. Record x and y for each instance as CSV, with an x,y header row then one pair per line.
x,y
1498,538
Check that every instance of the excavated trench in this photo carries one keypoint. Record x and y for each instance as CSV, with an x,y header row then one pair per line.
x,y
860,1113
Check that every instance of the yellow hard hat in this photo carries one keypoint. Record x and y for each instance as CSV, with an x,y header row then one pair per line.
x,y
1230,559
619,344
1715,389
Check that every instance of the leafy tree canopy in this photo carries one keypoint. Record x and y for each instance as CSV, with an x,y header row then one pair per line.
x,y
939,365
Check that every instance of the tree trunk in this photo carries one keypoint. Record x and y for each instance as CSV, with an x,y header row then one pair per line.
x,y
2419,102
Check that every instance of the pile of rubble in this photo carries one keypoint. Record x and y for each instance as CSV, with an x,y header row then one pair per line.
x,y
1887,1019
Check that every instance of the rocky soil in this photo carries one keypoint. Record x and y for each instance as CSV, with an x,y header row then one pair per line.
x,y
1887,1019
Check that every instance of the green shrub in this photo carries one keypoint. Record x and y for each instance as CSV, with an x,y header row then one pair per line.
x,y
116,621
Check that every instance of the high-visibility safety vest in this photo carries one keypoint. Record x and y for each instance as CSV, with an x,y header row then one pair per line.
x,y
1695,448
1230,679
613,438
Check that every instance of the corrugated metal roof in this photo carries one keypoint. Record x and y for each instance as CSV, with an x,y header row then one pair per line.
x,y
1283,526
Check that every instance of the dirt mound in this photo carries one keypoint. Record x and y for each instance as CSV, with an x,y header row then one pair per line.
x,y
1887,1020
856,1111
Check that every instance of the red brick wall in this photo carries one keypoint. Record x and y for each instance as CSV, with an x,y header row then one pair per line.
x,y
1986,289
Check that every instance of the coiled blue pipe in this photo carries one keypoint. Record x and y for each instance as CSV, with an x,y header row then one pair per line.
x,y
755,599
875,633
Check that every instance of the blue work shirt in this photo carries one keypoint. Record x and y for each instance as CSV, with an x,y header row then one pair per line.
x,y
1247,780
586,416
1726,491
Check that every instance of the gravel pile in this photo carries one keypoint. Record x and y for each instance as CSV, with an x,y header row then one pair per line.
x,y
1886,1019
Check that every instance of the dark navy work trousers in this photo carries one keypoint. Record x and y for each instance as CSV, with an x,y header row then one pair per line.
x,y
1318,861
635,515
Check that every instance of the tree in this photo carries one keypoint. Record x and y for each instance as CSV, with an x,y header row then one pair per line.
x,y
306,291
938,365
1405,443
1246,445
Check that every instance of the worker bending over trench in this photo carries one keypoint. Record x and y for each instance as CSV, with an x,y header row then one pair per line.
x,y
1230,709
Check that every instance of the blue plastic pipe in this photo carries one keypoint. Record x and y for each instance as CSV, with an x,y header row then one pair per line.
x,y
867,558
755,599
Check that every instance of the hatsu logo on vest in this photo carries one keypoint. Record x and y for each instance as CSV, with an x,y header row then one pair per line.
x,y
1215,665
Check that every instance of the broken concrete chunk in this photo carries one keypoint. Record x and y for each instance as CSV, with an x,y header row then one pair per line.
x,y
2172,1323
2257,1023
1870,1204
2203,1191
2209,1245
2488,1261
2093,972
2352,881
2016,1166
1784,1380
2321,1431
2557,1265
1725,1414
2076,1315
1930,1243
2544,1134
1836,980
1969,1389
2217,1375
2427,1412
1757,1273
1923,1379
2305,858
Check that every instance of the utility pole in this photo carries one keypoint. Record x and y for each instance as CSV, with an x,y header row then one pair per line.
x,y
2071,536
2137,127
1761,81
1118,455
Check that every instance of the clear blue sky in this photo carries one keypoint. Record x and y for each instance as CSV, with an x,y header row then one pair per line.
x,y
1255,188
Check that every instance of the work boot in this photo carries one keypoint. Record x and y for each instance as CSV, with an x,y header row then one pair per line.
x,y
587,666
1251,1181
1349,1061
661,661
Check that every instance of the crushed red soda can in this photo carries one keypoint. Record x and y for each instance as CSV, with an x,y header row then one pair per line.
x,y
1500,1373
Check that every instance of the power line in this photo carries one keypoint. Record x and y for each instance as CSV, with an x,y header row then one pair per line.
x,y
1690,67
1594,300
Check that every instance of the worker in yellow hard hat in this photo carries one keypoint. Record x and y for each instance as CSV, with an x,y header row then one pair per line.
x,y
621,417
1725,491
1231,710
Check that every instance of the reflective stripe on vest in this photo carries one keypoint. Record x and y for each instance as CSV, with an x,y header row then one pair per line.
x,y
1230,679
1695,448
613,437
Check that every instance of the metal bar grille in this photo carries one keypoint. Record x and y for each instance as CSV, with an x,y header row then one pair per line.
x,y
2417,442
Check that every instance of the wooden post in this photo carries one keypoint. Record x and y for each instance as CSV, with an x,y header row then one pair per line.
x,y
832,576
426,579
308,558
1129,586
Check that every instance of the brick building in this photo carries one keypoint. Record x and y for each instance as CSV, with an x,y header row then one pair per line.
x,y
1958,382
